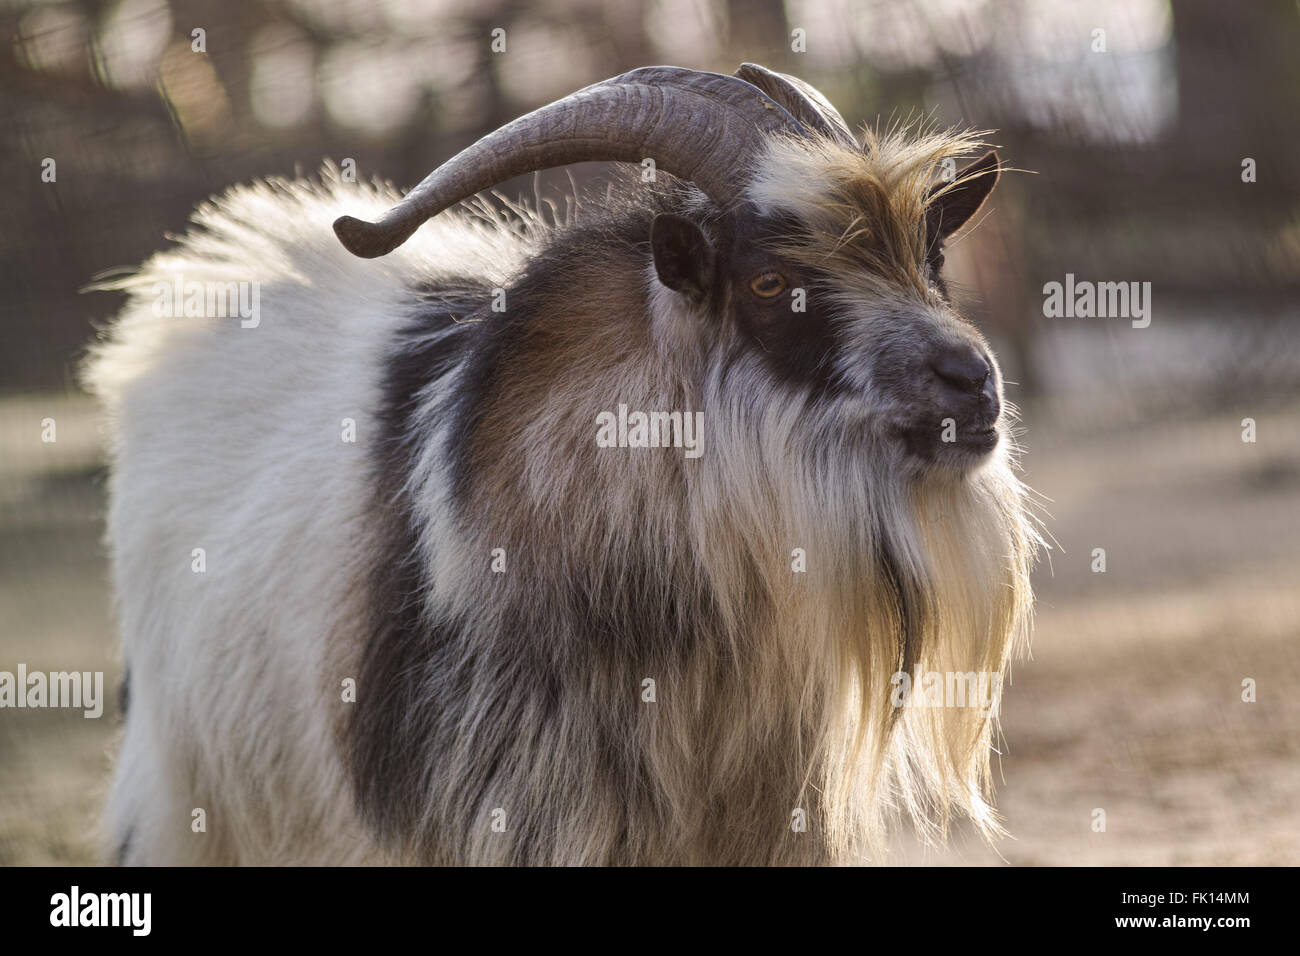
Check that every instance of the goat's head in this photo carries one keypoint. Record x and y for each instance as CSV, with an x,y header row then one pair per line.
x,y
815,261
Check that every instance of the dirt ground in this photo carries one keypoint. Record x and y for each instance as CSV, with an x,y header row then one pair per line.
x,y
1131,702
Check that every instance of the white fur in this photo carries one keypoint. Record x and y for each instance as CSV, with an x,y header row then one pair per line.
x,y
229,439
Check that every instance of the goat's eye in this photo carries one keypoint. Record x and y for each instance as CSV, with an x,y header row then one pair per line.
x,y
767,285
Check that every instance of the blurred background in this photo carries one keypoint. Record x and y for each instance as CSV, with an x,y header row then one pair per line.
x,y
1161,149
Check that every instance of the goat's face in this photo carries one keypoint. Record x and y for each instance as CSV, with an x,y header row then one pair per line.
x,y
872,340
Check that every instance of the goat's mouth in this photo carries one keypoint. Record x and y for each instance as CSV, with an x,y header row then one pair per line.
x,y
983,439
950,442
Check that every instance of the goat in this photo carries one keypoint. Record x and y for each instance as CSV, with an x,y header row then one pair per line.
x,y
475,635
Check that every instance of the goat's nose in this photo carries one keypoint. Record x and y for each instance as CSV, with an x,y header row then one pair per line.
x,y
961,367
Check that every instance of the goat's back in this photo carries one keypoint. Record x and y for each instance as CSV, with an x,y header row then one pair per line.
x,y
238,518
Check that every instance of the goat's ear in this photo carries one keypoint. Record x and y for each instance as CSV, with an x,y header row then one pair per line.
x,y
952,209
683,255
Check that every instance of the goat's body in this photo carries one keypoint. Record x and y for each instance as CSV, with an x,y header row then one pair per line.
x,y
501,717
229,439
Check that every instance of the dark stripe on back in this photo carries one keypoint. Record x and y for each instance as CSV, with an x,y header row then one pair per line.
x,y
392,687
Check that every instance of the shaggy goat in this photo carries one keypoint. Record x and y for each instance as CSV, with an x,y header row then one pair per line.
x,y
476,634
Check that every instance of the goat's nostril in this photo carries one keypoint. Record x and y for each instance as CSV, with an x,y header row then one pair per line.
x,y
961,367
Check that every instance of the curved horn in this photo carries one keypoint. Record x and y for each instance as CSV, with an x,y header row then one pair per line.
x,y
699,126
804,101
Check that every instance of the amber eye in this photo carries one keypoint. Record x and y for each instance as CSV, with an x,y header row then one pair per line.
x,y
769,284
